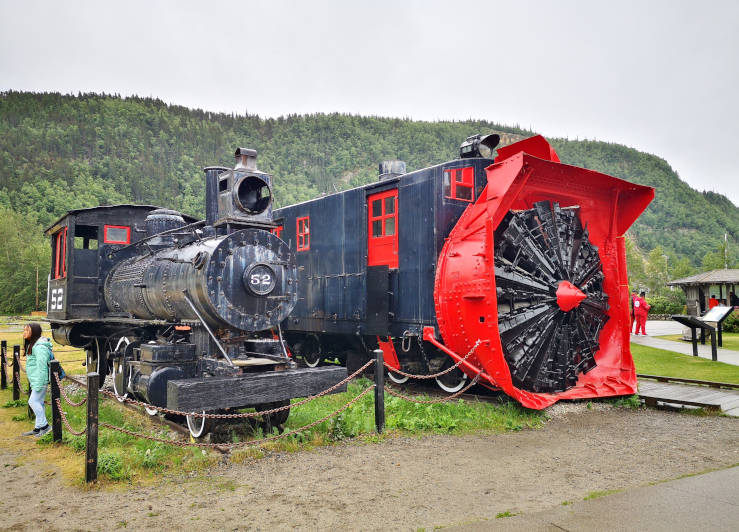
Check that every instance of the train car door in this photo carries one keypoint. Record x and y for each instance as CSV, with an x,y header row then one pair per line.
x,y
382,257
382,231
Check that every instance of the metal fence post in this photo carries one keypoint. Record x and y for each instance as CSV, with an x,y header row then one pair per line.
x,y
16,372
379,391
91,449
3,364
56,415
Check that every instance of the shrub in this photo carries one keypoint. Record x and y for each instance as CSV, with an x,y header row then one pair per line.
x,y
672,303
111,465
731,324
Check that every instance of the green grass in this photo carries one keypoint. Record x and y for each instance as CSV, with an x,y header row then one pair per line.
x,y
125,458
728,340
598,494
653,361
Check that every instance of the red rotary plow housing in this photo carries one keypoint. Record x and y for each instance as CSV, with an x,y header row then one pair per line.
x,y
534,272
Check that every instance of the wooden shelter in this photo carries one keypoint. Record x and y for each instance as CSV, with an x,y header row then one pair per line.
x,y
700,287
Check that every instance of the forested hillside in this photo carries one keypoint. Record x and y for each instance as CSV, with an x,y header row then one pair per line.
x,y
59,152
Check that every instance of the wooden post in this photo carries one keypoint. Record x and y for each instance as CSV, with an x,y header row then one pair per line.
x,y
16,372
379,391
714,352
720,336
3,365
694,339
91,454
56,415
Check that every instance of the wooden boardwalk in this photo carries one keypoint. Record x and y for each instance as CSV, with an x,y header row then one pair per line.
x,y
689,394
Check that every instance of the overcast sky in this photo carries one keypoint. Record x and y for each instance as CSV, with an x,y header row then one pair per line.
x,y
660,76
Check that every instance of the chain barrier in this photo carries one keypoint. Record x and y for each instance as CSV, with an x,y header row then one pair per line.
x,y
434,401
439,374
244,414
64,419
226,447
64,394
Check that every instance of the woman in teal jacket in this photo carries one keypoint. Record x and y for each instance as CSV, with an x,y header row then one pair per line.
x,y
37,370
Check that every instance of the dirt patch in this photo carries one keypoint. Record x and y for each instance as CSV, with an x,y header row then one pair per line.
x,y
403,483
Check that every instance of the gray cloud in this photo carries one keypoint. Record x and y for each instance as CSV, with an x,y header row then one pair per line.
x,y
659,76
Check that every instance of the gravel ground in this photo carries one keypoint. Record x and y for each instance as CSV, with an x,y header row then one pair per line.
x,y
400,484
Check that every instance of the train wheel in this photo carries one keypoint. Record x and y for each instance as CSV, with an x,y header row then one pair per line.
x,y
198,426
311,352
397,378
119,376
119,380
453,381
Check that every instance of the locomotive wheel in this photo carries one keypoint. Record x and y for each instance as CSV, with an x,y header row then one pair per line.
x,y
311,351
198,426
551,303
119,377
453,381
119,380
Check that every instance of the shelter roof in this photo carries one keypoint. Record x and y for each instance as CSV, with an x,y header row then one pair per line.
x,y
706,278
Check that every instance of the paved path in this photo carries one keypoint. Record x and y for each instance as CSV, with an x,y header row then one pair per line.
x,y
703,502
664,328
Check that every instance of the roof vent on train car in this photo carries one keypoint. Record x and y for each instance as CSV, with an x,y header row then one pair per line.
x,y
390,169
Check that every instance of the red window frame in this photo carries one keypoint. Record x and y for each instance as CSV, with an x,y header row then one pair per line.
x,y
459,178
302,232
105,234
277,230
382,248
60,263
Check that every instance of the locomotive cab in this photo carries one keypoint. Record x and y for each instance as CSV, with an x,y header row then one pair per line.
x,y
84,246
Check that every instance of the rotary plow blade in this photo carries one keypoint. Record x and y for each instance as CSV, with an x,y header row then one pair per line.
x,y
535,271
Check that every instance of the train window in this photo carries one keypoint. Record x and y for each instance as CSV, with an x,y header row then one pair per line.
x,y
459,183
377,208
117,234
59,254
302,226
85,237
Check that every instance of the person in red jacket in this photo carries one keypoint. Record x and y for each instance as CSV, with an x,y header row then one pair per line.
x,y
641,311
713,302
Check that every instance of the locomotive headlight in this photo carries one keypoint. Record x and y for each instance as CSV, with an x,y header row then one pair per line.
x,y
479,146
260,279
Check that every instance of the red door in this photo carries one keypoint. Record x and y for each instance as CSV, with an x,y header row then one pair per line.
x,y
382,231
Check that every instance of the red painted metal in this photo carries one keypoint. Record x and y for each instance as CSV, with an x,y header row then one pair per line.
x,y
302,230
382,230
569,296
107,239
465,290
388,352
459,183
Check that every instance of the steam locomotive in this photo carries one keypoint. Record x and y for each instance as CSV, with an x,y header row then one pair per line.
x,y
513,267
184,314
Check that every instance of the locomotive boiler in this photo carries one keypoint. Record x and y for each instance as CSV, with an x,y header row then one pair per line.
x,y
511,267
184,314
